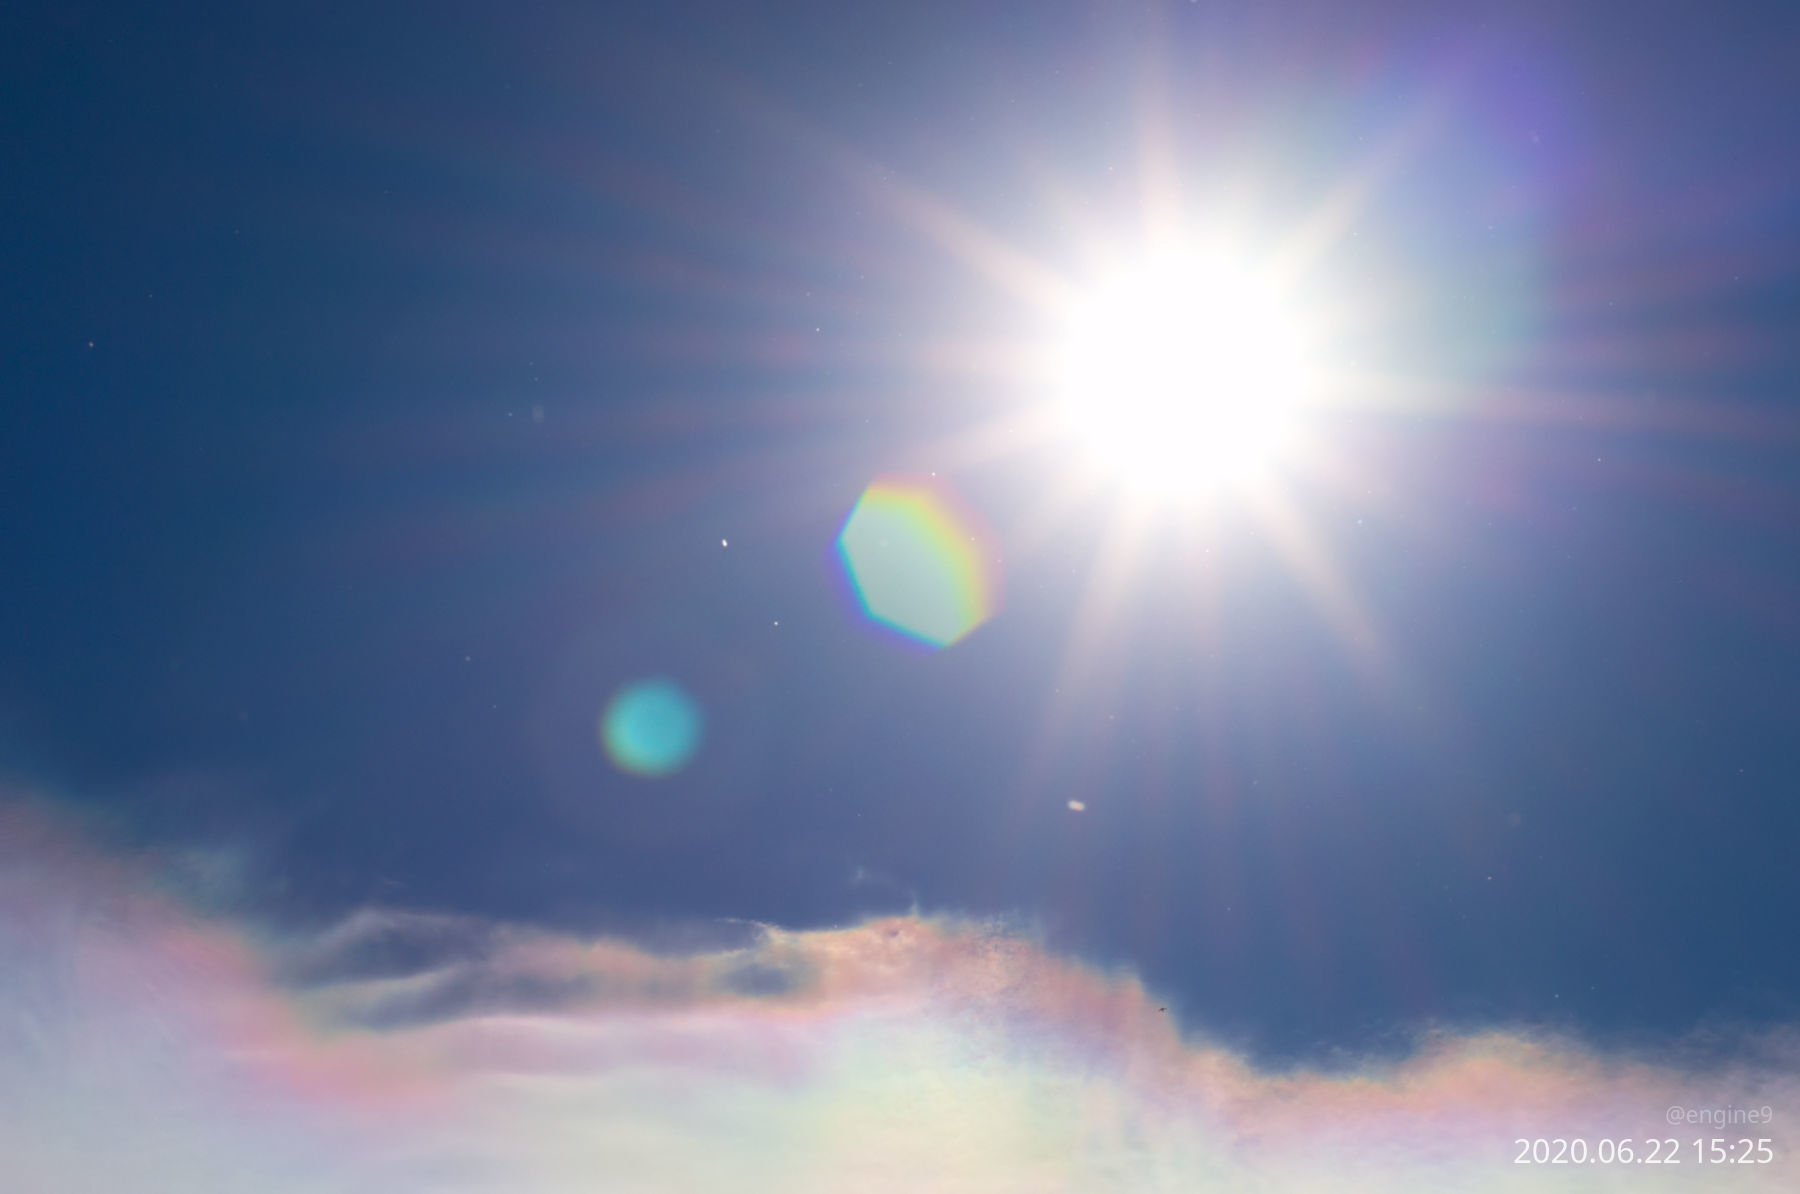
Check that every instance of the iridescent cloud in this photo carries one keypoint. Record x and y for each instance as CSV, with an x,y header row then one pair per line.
x,y
146,1048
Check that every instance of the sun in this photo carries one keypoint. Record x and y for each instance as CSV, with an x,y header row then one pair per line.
x,y
1183,371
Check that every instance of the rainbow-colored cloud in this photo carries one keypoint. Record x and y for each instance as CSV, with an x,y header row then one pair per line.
x,y
145,1048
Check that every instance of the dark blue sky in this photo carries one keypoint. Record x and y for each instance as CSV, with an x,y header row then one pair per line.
x,y
376,389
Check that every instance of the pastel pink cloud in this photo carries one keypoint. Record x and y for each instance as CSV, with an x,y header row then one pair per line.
x,y
147,1047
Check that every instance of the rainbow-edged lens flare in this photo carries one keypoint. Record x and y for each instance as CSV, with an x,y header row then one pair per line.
x,y
651,728
919,561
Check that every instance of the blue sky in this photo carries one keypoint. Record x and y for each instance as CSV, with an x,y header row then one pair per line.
x,y
385,392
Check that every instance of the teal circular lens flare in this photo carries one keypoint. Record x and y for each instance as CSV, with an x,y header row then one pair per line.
x,y
651,728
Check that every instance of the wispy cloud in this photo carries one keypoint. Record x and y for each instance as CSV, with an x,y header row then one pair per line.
x,y
144,1047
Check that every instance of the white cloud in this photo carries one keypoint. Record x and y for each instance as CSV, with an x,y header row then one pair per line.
x,y
144,1048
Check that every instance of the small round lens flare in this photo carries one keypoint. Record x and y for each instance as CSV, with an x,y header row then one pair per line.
x,y
1183,373
650,728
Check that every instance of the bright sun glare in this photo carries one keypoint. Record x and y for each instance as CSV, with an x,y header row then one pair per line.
x,y
1183,372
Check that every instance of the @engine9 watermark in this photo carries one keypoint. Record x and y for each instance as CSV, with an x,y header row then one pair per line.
x,y
1719,1117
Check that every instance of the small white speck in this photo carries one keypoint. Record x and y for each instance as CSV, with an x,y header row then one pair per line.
x,y
1076,806
724,543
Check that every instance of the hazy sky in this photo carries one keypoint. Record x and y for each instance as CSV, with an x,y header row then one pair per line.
x,y
386,390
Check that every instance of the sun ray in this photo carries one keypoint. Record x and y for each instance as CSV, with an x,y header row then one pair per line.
x,y
1093,628
1311,563
1007,268
1333,217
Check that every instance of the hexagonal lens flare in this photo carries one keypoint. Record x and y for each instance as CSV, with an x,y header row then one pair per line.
x,y
919,561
